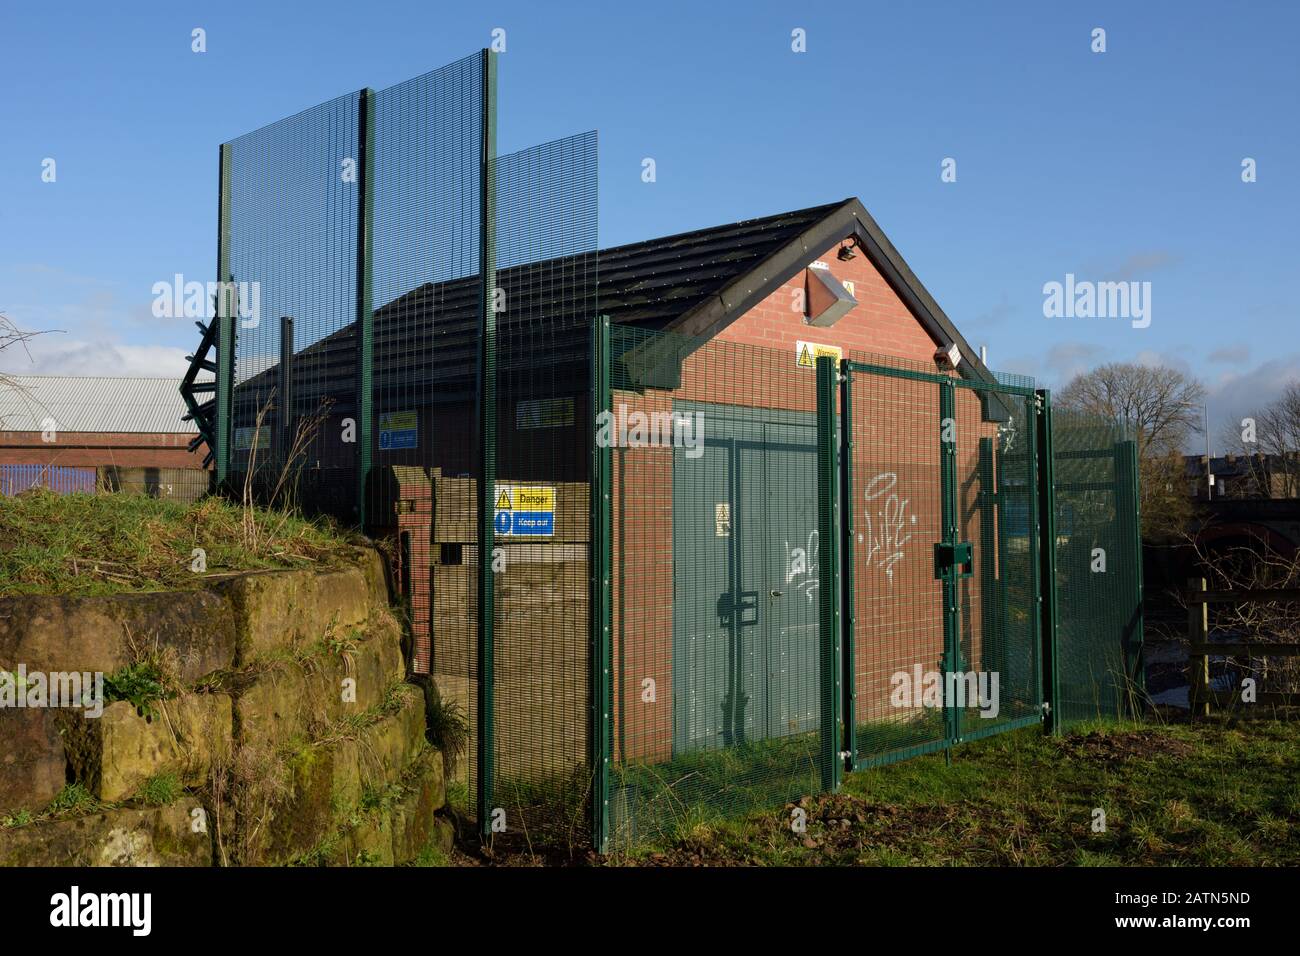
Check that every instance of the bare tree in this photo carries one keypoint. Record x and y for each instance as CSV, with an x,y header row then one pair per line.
x,y
1253,564
1158,408
1157,405
1272,452
12,336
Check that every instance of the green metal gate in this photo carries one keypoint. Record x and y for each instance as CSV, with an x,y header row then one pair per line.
x,y
941,613
849,570
724,634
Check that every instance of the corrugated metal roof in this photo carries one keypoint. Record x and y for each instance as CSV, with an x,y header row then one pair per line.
x,y
93,403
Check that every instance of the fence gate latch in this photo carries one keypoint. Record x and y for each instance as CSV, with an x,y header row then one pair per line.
x,y
949,554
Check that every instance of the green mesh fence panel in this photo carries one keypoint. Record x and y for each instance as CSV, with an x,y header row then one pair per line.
x,y
415,348
1097,574
291,225
352,234
941,558
894,501
998,608
427,247
545,307
718,699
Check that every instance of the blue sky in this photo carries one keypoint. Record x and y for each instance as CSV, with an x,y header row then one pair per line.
x,y
1117,165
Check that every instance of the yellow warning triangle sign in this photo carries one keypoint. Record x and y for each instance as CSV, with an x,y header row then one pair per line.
x,y
503,501
805,358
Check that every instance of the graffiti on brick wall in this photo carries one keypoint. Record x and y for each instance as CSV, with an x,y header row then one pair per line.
x,y
888,524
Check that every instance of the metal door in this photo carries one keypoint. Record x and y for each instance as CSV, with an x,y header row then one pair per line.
x,y
745,613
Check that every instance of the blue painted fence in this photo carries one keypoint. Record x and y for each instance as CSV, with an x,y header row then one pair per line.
x,y
64,479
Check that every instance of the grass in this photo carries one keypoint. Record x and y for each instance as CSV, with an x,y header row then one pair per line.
x,y
1219,793
73,798
85,544
667,801
160,789
431,855
445,724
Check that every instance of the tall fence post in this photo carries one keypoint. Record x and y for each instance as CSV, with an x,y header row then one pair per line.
x,y
225,323
848,611
952,657
365,314
600,611
487,425
1045,528
991,505
828,568
284,401
1198,630
1128,512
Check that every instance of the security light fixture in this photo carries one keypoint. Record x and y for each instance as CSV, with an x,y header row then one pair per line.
x,y
947,356
846,249
827,298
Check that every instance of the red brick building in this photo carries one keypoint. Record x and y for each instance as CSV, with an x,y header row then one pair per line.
x,y
753,325
715,617
75,433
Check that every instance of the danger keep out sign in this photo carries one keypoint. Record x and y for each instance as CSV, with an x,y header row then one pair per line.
x,y
524,511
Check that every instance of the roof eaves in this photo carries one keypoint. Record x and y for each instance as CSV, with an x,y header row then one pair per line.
x,y
737,297
748,289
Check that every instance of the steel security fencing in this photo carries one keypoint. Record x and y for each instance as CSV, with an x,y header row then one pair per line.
x,y
941,618
1098,570
663,577
722,666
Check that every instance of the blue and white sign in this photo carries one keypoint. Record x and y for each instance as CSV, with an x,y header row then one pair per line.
x,y
398,430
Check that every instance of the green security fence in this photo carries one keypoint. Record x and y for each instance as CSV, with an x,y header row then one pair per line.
x,y
1098,569
846,570
663,578
403,334
723,673
943,631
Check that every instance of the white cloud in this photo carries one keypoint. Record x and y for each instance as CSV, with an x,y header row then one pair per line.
x,y
1235,394
1062,362
54,355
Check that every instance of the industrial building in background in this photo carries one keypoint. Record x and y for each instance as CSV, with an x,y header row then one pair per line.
x,y
88,433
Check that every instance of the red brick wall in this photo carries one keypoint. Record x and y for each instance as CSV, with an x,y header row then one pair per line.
x,y
126,450
880,323
752,363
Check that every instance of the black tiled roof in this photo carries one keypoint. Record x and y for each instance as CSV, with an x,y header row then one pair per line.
x,y
651,283
430,333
